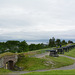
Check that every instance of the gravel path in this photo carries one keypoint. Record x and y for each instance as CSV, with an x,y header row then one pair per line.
x,y
67,56
40,56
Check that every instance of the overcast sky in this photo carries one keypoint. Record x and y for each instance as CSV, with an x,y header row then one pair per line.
x,y
37,19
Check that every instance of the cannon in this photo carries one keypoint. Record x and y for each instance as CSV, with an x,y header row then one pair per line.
x,y
53,53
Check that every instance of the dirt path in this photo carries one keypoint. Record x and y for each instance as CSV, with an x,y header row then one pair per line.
x,y
41,55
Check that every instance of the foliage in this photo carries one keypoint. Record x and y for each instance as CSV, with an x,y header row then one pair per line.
x,y
17,46
52,42
63,42
56,42
32,47
70,41
37,46
23,46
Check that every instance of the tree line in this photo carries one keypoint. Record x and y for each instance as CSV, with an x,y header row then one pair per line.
x,y
57,42
17,46
22,46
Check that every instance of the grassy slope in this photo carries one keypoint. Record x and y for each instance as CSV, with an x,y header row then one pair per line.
x,y
34,52
60,61
6,54
53,72
4,71
71,53
31,63
37,63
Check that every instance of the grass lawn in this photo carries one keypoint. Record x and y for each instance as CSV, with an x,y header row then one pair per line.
x,y
4,71
31,63
60,61
46,63
70,53
53,72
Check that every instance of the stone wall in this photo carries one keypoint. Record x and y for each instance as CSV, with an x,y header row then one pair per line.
x,y
5,59
1,62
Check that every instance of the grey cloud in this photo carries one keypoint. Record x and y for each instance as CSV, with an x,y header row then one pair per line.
x,y
32,19
39,35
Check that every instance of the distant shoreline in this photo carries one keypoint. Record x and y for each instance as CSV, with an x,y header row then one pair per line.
x,y
45,41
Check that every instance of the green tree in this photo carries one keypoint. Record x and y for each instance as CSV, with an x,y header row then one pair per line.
x,y
12,45
38,46
58,42
52,42
23,46
2,47
69,41
63,42
32,47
